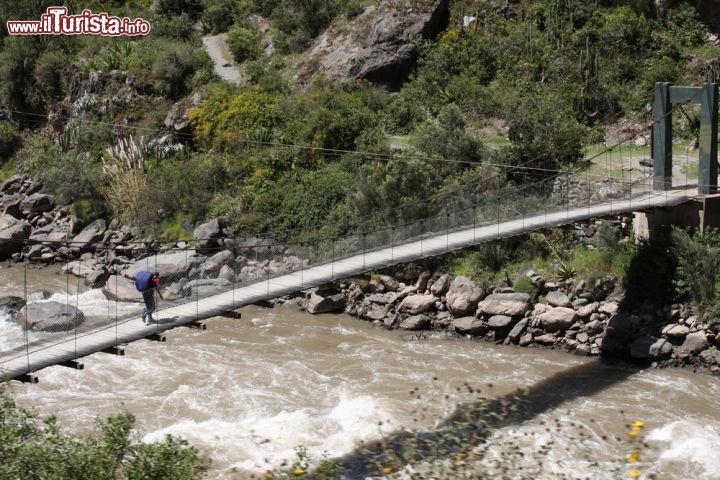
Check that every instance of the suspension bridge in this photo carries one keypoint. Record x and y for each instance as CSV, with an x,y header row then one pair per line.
x,y
558,200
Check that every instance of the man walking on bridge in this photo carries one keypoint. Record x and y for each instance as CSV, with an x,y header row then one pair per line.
x,y
148,283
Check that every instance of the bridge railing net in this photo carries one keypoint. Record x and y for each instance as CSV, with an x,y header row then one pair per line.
x,y
100,292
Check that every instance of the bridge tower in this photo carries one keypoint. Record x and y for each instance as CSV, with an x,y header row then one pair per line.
x,y
707,97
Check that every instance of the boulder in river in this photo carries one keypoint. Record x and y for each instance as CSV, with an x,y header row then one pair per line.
x,y
50,317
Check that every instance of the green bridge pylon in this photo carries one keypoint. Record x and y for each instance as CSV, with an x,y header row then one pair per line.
x,y
665,96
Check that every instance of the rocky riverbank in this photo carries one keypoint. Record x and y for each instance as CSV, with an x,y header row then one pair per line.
x,y
584,319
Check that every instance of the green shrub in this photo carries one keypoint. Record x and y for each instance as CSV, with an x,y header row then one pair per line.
x,y
219,15
313,202
329,114
69,175
173,65
35,448
698,260
226,119
244,43
403,114
178,26
353,8
176,227
524,284
88,209
9,138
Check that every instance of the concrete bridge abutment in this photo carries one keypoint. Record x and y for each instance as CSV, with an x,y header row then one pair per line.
x,y
698,213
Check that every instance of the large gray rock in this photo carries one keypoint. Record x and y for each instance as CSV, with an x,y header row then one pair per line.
x,y
97,277
518,330
13,233
13,184
177,120
79,268
415,304
89,235
558,299
390,283
171,266
121,289
463,296
213,264
199,288
470,326
511,304
50,317
675,330
382,298
557,319
10,204
385,51
660,349
36,203
441,285
695,342
587,310
415,322
326,304
11,305
422,281
208,237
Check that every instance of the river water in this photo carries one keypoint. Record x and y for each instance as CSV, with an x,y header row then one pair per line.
x,y
249,391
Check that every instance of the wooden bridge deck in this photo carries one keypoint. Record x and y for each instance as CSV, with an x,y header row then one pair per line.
x,y
67,348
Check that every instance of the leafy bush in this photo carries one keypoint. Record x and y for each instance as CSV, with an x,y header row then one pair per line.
x,y
403,114
450,70
330,115
698,258
88,209
219,15
178,26
299,22
34,448
244,43
226,118
302,199
67,174
9,138
449,139
173,65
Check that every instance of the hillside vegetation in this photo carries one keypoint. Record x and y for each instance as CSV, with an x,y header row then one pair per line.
x,y
528,84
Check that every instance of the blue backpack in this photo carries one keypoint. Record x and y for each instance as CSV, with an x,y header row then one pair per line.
x,y
143,281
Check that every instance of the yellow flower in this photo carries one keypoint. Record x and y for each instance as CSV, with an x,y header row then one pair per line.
x,y
298,471
638,424
634,457
388,470
634,432
634,473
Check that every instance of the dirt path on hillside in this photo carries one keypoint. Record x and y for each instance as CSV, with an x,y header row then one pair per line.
x,y
224,66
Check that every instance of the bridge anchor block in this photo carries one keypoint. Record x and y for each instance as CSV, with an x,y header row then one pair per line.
x,y
197,325
74,364
114,351
27,378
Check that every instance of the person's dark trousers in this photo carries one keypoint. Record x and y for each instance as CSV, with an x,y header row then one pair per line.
x,y
149,299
